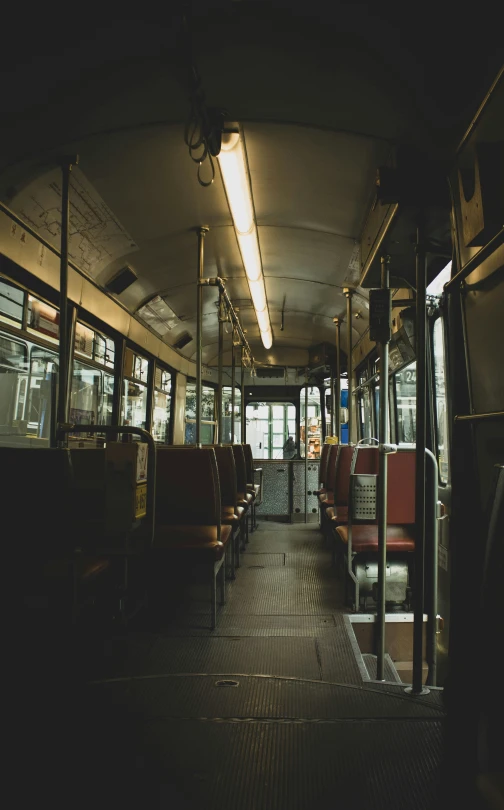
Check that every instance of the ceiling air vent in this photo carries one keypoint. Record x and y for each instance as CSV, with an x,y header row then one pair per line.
x,y
183,340
121,281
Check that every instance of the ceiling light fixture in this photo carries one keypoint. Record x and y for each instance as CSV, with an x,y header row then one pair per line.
x,y
236,179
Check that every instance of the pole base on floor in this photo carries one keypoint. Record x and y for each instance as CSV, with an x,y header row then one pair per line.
x,y
410,691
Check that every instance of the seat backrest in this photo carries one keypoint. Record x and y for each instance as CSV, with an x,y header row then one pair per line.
x,y
37,517
249,463
187,487
241,471
324,456
331,467
227,475
366,462
401,487
342,474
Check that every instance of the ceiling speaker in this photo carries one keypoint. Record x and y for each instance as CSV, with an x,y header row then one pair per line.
x,y
183,340
121,281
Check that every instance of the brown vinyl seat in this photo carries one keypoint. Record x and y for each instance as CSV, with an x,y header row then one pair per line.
x,y
252,487
400,508
365,538
189,530
337,514
231,514
244,499
324,457
326,496
360,539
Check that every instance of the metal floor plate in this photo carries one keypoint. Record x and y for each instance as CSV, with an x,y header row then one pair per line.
x,y
293,727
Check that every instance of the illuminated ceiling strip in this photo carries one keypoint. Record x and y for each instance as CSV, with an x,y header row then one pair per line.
x,y
235,176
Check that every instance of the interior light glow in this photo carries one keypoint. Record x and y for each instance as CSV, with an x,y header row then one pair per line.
x,y
234,171
263,320
251,257
234,174
258,294
267,339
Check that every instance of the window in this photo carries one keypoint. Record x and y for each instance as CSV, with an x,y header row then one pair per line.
x,y
208,422
91,395
42,391
13,386
440,392
269,427
94,346
162,405
365,416
11,304
134,402
310,429
405,398
43,320
226,417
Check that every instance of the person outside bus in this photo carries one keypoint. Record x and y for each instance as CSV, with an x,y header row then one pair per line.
x,y
289,448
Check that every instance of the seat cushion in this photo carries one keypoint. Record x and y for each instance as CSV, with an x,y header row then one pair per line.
x,y
329,501
365,538
245,496
254,489
230,516
200,543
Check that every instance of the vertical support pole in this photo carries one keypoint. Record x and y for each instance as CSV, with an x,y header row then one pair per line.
x,y
349,292
64,324
233,380
242,412
337,394
199,331
433,566
220,372
149,415
330,427
306,451
421,404
383,436
120,350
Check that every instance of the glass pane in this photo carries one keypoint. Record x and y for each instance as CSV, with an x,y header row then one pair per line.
x,y
13,388
42,391
104,350
365,414
310,428
267,436
227,418
207,433
134,404
85,395
11,304
207,402
405,391
140,368
108,398
84,340
161,416
441,416
43,319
